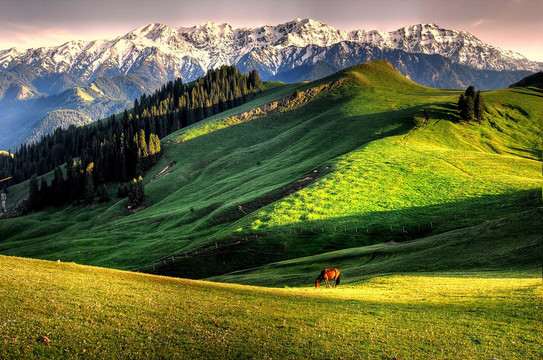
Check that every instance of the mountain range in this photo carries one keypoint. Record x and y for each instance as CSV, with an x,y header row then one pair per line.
x,y
81,81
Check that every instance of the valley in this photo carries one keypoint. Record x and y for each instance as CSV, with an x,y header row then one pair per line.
x,y
347,168
435,223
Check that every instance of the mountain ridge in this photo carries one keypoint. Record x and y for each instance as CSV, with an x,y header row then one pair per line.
x,y
212,43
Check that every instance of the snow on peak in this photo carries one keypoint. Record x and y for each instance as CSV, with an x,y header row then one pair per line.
x,y
193,50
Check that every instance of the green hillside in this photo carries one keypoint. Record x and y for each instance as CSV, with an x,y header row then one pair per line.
x,y
512,244
340,163
63,310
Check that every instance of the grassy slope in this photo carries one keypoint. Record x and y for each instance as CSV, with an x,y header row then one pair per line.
x,y
98,313
511,244
376,172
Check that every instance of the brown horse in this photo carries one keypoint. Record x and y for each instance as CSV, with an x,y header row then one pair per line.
x,y
326,275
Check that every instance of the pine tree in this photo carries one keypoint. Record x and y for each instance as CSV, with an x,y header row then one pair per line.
x,y
104,194
470,109
34,192
462,106
58,187
123,191
466,104
479,107
136,194
44,193
88,195
470,91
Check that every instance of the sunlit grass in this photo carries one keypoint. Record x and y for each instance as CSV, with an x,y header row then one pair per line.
x,y
443,162
388,176
99,313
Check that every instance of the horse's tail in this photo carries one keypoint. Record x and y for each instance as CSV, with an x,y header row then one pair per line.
x,y
337,279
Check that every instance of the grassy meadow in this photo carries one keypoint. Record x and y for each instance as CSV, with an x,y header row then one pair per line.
x,y
435,224
64,310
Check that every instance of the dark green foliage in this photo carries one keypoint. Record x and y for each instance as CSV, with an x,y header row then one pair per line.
x,y
470,91
471,105
479,107
34,192
44,193
123,190
136,194
88,197
116,145
104,194
58,187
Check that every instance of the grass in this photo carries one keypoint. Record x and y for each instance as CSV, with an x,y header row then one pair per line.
x,y
512,244
98,313
351,158
436,227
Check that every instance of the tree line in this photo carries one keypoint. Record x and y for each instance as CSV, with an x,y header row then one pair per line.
x,y
122,147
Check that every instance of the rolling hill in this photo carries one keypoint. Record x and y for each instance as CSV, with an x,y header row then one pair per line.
x,y
304,169
435,224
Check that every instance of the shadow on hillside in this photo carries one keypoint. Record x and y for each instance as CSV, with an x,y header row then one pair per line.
x,y
533,154
535,91
321,140
264,246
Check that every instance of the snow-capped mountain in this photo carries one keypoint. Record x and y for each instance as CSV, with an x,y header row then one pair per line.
x,y
164,53
33,82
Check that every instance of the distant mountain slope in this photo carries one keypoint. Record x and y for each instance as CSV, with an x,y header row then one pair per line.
x,y
534,80
38,114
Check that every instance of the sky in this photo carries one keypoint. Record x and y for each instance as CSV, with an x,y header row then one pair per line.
x,y
509,24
